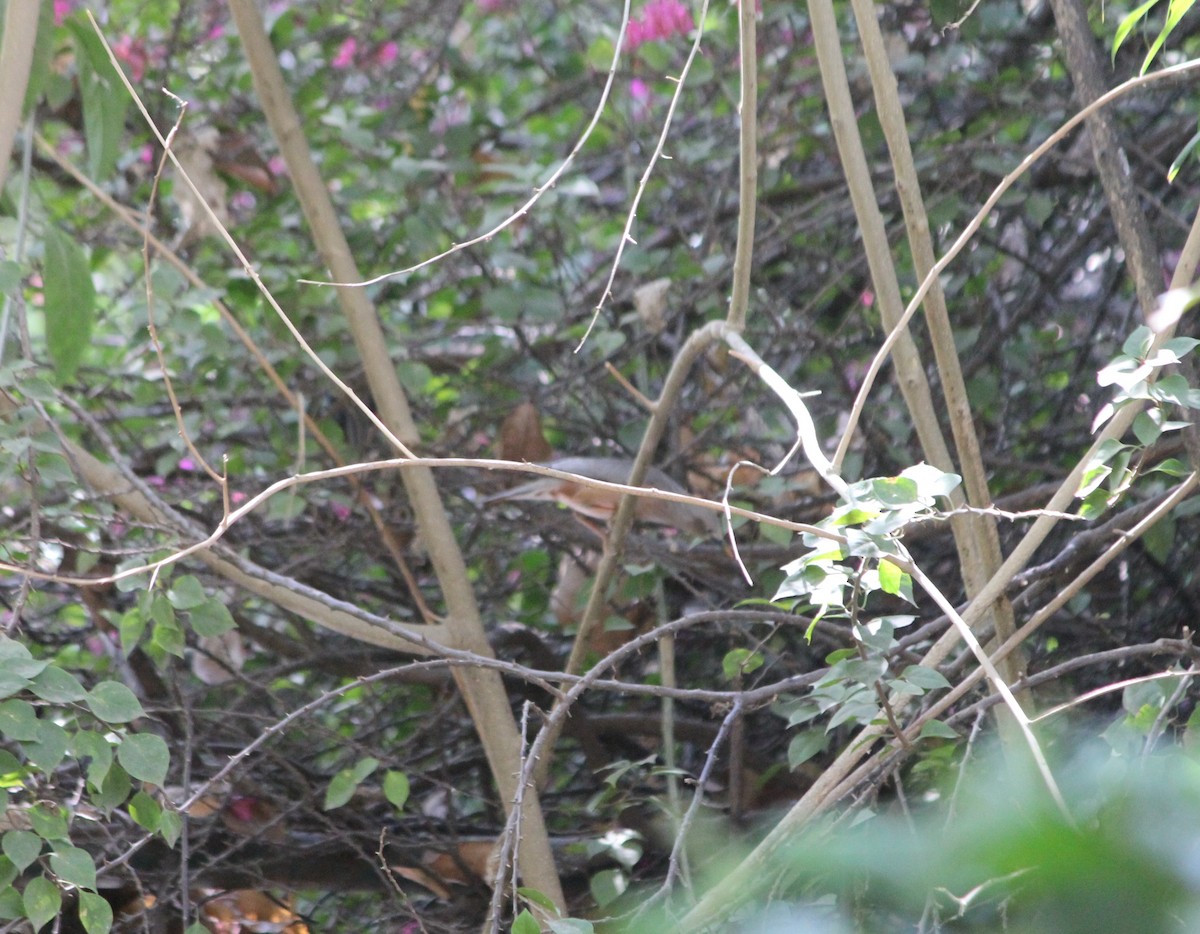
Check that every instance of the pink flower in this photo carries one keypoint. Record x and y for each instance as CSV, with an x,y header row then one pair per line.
x,y
133,53
345,54
340,511
237,497
492,6
62,9
387,53
660,19
216,32
186,463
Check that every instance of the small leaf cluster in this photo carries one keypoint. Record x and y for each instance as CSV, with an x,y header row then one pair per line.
x,y
837,579
46,717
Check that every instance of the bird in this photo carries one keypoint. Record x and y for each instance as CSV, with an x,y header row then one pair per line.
x,y
598,503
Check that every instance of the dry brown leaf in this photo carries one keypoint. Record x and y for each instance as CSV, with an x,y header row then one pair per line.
x,y
477,857
650,302
521,437
247,911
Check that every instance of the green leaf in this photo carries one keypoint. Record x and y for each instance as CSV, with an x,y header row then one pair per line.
x,y
740,662
1175,12
169,637
112,702
526,923
929,679
145,811
18,720
538,898
95,913
1147,427
104,101
1159,539
43,49
73,865
12,683
1181,157
145,757
170,825
58,686
341,789
131,626
936,729
364,767
162,610
69,303
49,820
211,618
49,747
11,906
891,578
396,788
606,885
114,789
22,847
805,745
1125,27
895,491
42,901
90,745
187,593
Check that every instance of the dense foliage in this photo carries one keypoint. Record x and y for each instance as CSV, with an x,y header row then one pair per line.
x,y
237,711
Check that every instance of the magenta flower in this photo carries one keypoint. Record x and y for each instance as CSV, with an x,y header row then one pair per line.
x,y
660,19
345,54
387,53
132,52
62,9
